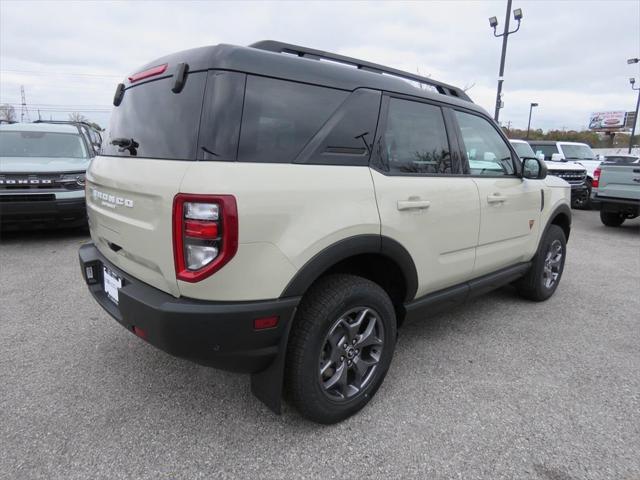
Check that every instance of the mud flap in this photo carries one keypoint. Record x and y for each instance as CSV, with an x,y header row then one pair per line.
x,y
268,384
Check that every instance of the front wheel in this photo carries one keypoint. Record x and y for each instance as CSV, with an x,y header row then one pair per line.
x,y
611,219
547,266
340,347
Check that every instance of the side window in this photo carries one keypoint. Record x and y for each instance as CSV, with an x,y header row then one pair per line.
x,y
280,117
487,152
415,139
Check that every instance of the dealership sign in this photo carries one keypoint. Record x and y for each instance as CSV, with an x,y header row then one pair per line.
x,y
607,120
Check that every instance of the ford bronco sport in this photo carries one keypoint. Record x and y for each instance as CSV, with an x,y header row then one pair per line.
x,y
42,170
263,210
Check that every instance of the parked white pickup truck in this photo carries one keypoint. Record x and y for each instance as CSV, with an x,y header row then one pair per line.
x,y
573,173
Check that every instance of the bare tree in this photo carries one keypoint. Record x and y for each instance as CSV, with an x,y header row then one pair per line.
x,y
77,117
8,113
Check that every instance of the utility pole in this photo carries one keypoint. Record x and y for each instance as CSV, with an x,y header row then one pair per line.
x,y
493,22
24,112
632,81
529,124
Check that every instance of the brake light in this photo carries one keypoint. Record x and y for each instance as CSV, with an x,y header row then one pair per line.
x,y
205,234
150,72
596,178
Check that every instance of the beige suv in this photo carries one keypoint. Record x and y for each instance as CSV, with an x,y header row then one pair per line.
x,y
263,210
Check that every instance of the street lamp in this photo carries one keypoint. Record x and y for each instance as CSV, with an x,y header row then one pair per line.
x,y
493,23
529,124
632,81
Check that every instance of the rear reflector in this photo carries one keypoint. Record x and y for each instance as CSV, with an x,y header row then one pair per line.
x,y
265,322
139,332
150,72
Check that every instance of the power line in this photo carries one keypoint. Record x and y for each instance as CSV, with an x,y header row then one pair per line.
x,y
71,74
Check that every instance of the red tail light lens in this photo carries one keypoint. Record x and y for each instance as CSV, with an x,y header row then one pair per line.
x,y
596,178
205,234
150,72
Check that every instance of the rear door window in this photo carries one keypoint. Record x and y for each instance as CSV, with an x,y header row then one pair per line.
x,y
415,139
163,124
280,117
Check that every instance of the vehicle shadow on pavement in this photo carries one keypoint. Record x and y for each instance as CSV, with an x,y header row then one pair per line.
x,y
10,237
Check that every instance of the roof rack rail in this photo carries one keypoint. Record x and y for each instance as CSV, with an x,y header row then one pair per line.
x,y
281,47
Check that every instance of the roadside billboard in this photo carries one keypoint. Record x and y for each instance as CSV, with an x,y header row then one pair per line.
x,y
607,120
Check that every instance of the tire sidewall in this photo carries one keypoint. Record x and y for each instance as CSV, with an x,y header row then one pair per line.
x,y
370,296
553,233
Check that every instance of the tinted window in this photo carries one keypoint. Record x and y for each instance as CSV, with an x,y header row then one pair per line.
x,y
486,150
347,137
164,124
280,117
415,139
546,150
41,144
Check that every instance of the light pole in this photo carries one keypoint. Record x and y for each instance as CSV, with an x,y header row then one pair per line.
x,y
493,22
529,124
632,81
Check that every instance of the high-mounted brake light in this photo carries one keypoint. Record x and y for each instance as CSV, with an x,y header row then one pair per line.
x,y
150,72
596,178
205,234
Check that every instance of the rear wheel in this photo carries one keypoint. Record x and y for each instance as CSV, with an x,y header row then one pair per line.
x,y
547,266
611,219
340,347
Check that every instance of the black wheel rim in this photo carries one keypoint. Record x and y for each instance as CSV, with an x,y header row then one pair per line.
x,y
351,353
552,264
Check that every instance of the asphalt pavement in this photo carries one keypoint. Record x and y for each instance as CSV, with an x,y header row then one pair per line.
x,y
497,388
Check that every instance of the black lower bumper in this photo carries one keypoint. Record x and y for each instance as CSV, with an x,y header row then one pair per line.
x,y
217,334
628,207
41,209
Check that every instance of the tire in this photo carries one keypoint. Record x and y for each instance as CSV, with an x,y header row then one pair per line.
x,y
323,362
546,270
582,201
611,219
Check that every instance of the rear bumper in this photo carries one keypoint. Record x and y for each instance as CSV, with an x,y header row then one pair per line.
x,y
612,204
217,334
16,209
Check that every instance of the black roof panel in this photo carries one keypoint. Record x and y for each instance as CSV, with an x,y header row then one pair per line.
x,y
266,60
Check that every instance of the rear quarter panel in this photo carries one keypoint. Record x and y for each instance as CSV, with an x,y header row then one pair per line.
x,y
287,214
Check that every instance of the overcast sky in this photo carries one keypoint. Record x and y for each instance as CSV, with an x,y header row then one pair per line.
x,y
569,56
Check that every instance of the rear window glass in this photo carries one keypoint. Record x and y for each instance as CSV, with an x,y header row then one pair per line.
x,y
280,117
621,160
41,144
163,124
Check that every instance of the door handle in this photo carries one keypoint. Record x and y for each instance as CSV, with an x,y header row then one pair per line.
x,y
496,198
413,204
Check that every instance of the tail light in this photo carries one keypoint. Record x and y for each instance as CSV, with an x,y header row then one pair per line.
x,y
205,234
596,178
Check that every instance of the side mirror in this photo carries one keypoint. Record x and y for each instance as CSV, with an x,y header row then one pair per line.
x,y
557,157
534,168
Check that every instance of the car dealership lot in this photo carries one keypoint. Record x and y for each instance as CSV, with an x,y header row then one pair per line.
x,y
497,388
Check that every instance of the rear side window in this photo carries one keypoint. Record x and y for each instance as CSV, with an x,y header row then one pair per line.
x,y
163,124
280,117
415,139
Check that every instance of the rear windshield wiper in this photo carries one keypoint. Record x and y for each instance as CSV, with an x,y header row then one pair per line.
x,y
126,144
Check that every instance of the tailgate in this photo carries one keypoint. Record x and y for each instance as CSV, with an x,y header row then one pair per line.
x,y
620,181
129,204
